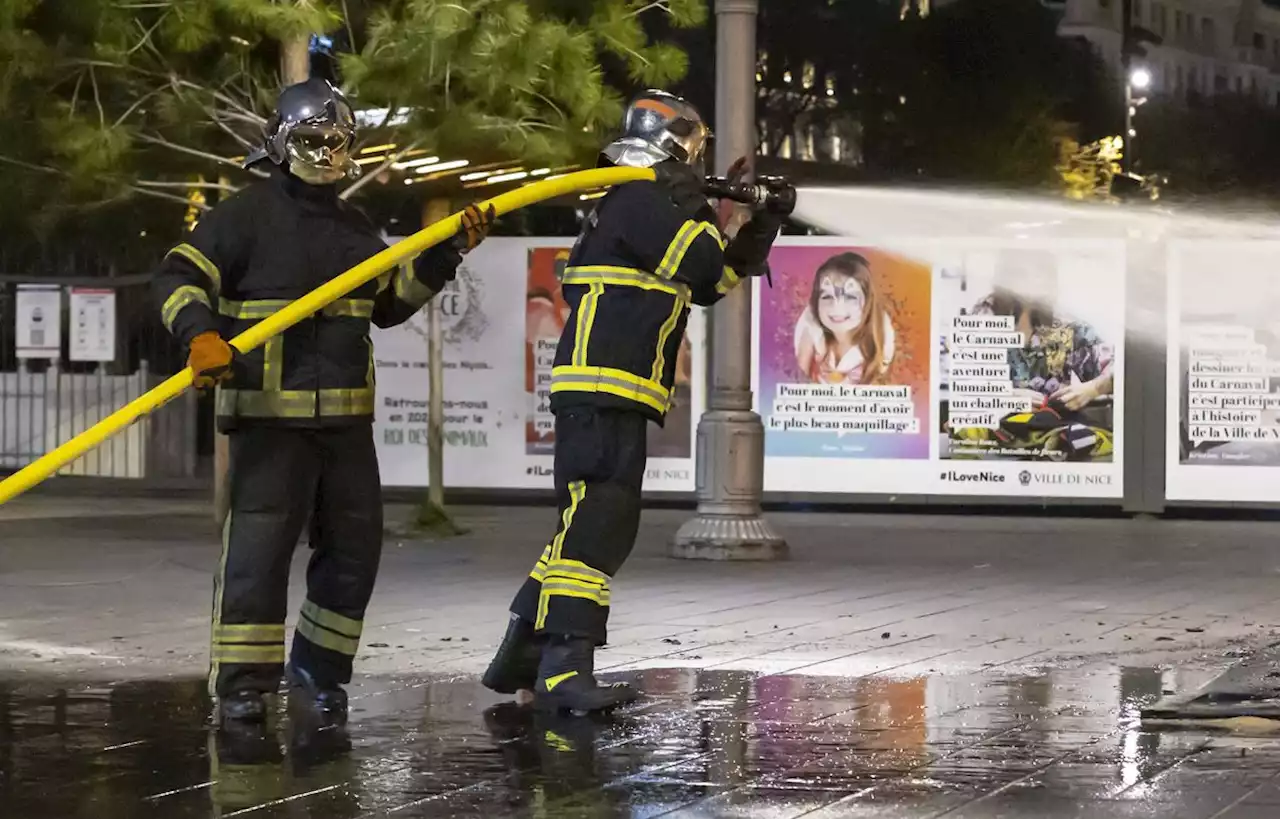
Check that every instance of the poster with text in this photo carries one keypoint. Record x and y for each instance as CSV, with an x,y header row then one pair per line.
x,y
670,447
1030,343
1223,423
842,369
483,402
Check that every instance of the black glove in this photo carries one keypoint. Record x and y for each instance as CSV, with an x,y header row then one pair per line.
x,y
438,265
748,251
683,184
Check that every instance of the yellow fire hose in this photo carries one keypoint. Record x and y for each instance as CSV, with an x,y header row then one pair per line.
x,y
277,323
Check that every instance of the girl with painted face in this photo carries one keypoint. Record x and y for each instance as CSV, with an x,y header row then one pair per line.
x,y
844,335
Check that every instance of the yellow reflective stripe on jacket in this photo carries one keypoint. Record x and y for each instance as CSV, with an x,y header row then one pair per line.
x,y
180,298
623,277
201,261
409,289
586,319
729,279
612,381
664,335
295,403
273,364
262,308
680,245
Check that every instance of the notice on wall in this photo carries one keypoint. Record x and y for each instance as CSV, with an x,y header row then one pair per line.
x,y
481,396
942,366
842,360
39,321
93,324
1030,367
1223,372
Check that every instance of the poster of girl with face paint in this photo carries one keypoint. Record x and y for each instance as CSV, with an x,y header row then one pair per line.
x,y
843,356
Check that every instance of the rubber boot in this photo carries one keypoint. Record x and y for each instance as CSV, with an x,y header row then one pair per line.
x,y
567,682
240,708
515,665
318,705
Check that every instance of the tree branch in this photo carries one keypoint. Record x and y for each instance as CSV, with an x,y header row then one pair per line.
x,y
102,115
391,160
168,196
187,185
221,160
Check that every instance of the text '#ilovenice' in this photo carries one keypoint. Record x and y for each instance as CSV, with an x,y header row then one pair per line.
x,y
972,477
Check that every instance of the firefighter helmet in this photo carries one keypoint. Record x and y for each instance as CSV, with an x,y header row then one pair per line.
x,y
659,126
311,133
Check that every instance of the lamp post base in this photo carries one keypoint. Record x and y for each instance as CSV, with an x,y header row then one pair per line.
x,y
730,469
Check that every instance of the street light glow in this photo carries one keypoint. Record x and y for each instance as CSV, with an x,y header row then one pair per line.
x,y
1140,78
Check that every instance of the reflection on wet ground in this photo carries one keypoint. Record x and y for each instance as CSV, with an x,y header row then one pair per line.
x,y
703,744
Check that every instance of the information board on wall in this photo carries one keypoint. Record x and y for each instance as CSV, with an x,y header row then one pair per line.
x,y
38,319
932,367
501,320
1223,407
93,324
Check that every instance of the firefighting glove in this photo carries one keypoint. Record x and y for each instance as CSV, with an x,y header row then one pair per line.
x,y
210,360
683,184
748,251
476,225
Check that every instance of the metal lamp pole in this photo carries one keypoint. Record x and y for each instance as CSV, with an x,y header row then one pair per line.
x,y
730,447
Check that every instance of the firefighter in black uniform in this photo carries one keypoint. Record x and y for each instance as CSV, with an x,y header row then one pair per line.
x,y
299,409
648,251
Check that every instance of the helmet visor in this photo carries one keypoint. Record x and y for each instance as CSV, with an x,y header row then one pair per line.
x,y
319,143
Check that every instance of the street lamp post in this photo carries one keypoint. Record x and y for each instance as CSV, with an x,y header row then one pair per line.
x,y
730,448
1137,79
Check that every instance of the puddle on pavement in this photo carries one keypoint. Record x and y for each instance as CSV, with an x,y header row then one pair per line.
x,y
703,743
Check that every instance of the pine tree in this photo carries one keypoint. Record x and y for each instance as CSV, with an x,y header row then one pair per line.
x,y
109,102
508,79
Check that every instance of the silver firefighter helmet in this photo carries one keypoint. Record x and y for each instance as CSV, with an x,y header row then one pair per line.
x,y
312,134
659,126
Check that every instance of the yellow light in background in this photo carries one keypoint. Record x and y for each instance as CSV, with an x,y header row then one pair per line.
x,y
587,196
373,149
506,177
443,166
416,163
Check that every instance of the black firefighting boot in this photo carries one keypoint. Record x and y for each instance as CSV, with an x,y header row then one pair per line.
x,y
241,708
566,680
319,704
515,665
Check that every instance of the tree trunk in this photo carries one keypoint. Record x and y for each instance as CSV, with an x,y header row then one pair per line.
x,y
295,67
432,513
295,59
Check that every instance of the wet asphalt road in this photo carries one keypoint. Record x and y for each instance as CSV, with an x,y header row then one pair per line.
x,y
701,744
897,666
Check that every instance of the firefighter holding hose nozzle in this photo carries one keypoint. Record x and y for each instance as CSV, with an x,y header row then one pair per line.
x,y
648,251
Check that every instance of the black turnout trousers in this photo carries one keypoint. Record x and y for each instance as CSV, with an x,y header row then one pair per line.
x,y
280,475
599,470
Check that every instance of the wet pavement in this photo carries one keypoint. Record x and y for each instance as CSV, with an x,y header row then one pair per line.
x,y
897,666
701,744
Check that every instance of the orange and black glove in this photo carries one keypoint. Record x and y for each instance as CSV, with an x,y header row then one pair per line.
x,y
210,360
476,225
